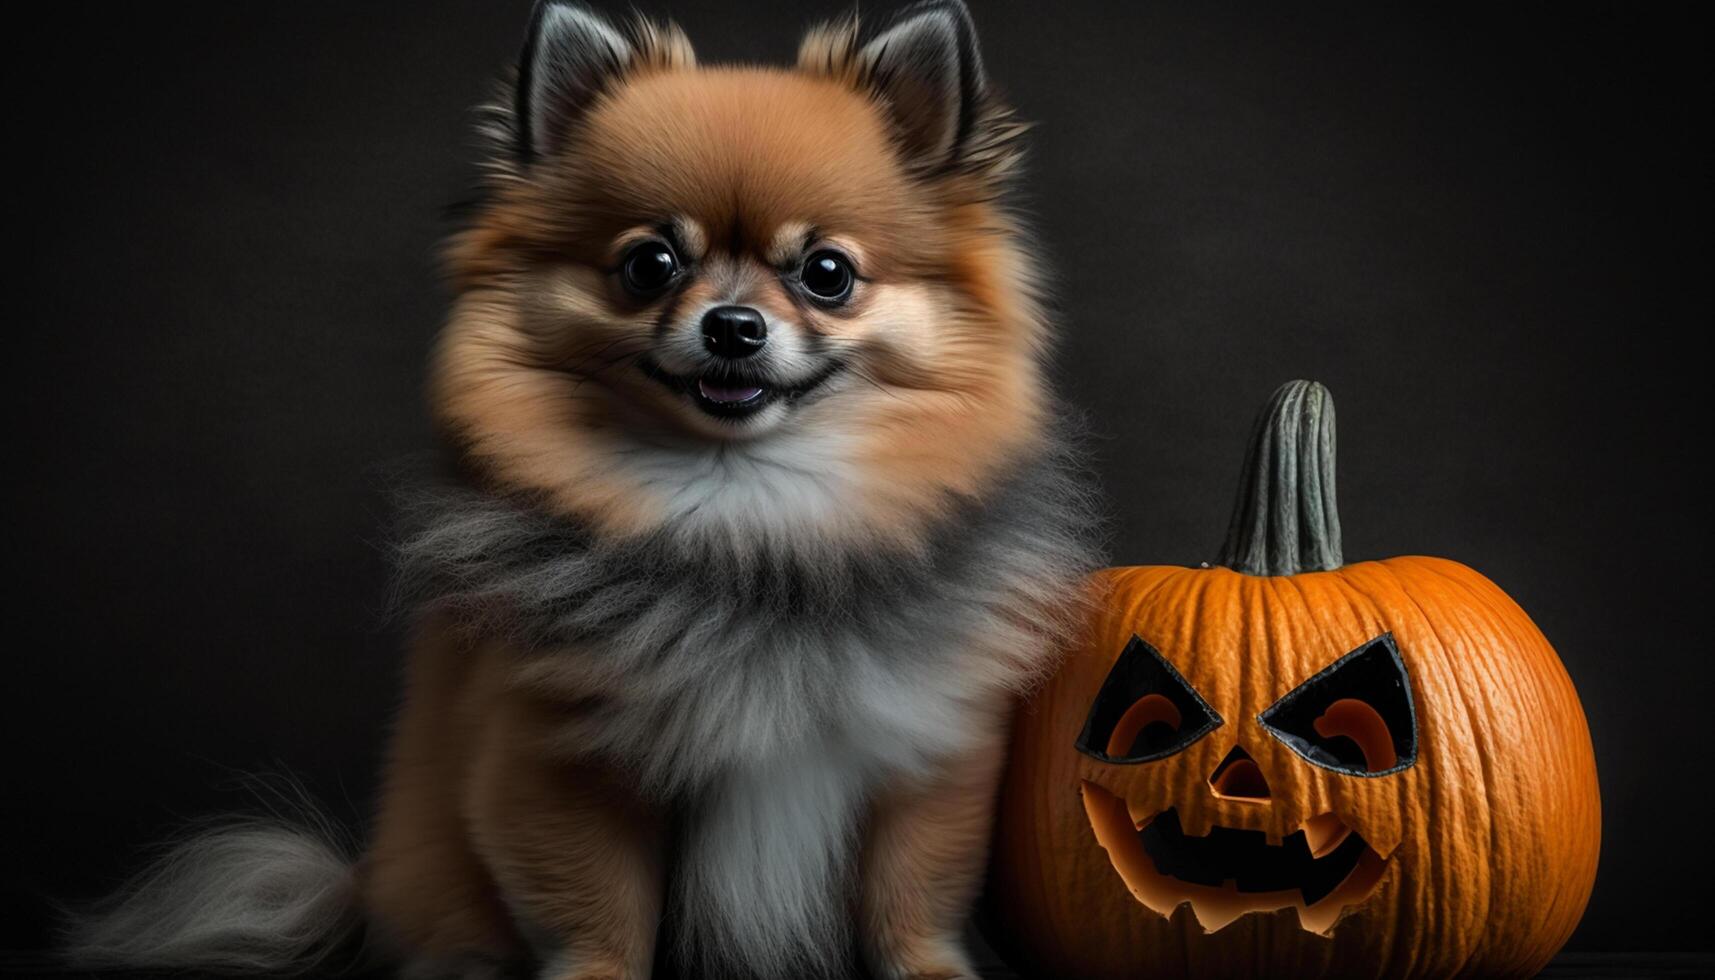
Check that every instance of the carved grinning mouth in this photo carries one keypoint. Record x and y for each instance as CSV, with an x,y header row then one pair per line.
x,y
1320,869
731,395
1248,860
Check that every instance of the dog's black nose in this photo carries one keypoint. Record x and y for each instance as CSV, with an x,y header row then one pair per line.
x,y
734,331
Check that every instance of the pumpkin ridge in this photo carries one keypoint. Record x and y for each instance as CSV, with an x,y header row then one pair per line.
x,y
1167,573
1512,620
1476,730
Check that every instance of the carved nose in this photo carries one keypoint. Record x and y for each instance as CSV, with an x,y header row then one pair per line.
x,y
1238,777
734,331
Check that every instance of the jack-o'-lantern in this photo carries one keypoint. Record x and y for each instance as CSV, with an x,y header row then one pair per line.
x,y
1282,765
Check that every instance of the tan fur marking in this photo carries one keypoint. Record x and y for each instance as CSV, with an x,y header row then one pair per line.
x,y
627,240
692,236
787,243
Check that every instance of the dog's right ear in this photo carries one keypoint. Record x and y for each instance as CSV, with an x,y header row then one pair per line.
x,y
924,68
570,56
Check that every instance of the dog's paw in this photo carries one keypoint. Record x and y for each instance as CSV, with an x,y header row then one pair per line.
x,y
942,959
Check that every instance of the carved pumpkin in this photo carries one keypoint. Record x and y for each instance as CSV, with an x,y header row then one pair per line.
x,y
1289,766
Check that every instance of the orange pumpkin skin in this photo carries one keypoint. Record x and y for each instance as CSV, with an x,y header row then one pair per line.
x,y
1484,848
1490,839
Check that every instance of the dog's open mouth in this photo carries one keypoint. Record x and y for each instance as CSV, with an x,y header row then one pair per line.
x,y
1320,870
728,395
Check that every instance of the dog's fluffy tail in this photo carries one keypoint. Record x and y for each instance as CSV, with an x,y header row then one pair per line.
x,y
246,896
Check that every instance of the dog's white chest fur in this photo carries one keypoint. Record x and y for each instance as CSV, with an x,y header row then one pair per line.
x,y
768,748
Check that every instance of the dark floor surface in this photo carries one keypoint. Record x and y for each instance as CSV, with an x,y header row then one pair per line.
x,y
1567,966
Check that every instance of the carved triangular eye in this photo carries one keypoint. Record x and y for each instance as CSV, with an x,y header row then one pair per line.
x,y
1144,711
1355,716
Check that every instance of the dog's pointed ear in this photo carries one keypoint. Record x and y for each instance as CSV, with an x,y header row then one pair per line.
x,y
571,55
927,68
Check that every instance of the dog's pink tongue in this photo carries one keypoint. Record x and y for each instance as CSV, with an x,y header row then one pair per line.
x,y
719,393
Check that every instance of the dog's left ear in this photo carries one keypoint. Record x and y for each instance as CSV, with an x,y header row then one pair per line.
x,y
570,56
927,67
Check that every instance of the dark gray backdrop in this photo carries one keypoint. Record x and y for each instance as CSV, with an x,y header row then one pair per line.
x,y
1485,232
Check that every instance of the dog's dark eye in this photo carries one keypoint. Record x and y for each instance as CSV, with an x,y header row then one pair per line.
x,y
648,268
827,275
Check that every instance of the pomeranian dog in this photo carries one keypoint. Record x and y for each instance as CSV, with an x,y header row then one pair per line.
x,y
761,518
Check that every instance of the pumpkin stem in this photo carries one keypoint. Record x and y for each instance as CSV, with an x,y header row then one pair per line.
x,y
1284,521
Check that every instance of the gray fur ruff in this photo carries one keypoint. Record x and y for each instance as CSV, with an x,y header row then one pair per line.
x,y
693,656
763,688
